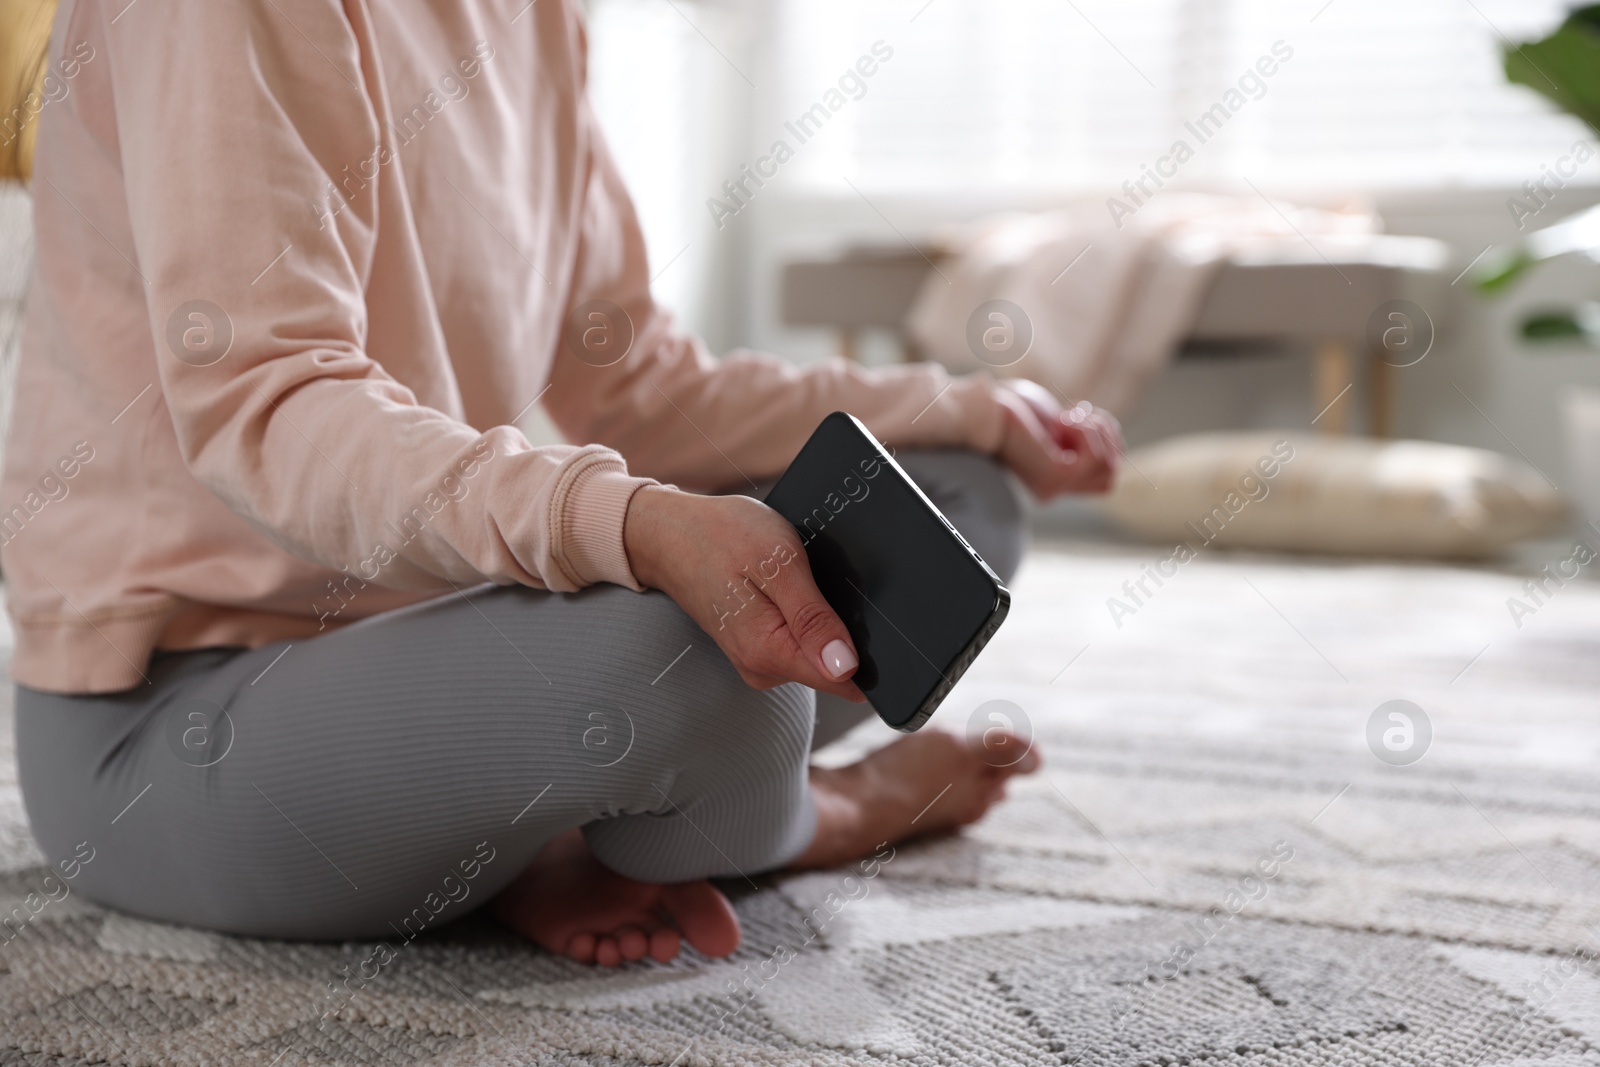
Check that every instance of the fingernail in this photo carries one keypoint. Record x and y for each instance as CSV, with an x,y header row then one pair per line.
x,y
838,659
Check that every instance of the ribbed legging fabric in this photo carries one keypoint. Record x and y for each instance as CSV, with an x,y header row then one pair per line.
x,y
397,773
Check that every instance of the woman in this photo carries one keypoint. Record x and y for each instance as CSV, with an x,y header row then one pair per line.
x,y
310,641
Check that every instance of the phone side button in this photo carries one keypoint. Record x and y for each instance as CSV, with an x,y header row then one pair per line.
x,y
963,540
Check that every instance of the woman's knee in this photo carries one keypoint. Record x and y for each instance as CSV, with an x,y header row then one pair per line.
x,y
726,763
738,805
638,689
717,711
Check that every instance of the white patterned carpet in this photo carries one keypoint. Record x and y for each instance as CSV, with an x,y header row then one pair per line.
x,y
1446,912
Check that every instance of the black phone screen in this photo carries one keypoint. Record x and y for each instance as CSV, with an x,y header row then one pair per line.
x,y
918,601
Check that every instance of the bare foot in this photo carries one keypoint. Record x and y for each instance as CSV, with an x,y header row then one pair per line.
x,y
920,784
573,905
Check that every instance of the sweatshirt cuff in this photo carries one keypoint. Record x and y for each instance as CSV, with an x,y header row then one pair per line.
x,y
593,512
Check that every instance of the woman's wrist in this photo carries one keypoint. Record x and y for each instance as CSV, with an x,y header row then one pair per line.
x,y
986,403
643,531
1014,419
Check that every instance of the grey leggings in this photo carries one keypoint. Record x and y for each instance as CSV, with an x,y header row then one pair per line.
x,y
399,772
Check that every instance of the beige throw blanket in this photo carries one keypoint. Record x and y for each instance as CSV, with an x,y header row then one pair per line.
x,y
1096,306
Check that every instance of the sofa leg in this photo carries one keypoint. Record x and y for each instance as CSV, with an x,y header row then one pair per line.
x,y
1333,381
1381,398
847,346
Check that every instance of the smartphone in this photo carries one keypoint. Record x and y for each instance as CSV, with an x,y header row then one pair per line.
x,y
919,602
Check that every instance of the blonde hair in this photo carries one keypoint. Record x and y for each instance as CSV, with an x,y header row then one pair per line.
x,y
24,47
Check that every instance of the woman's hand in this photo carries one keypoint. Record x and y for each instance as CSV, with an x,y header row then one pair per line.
x,y
1055,450
738,568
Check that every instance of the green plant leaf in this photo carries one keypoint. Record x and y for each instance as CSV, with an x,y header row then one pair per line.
x,y
1565,66
1564,325
1552,326
1503,269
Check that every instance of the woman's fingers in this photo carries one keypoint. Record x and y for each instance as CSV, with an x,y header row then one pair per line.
x,y
738,568
1078,447
1093,444
812,643
820,633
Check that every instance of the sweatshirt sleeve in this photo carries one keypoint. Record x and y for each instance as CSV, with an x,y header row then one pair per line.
x,y
626,377
230,119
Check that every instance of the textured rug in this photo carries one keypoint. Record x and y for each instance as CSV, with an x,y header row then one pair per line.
x,y
1229,859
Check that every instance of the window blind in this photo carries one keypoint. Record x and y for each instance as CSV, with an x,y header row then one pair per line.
x,y
1082,94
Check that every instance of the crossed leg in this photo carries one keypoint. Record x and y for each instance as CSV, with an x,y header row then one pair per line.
x,y
587,761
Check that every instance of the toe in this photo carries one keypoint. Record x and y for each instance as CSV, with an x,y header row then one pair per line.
x,y
1029,763
704,915
664,945
633,943
1008,754
606,954
581,948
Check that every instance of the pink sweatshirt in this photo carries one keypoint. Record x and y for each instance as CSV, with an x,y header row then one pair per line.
x,y
301,264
